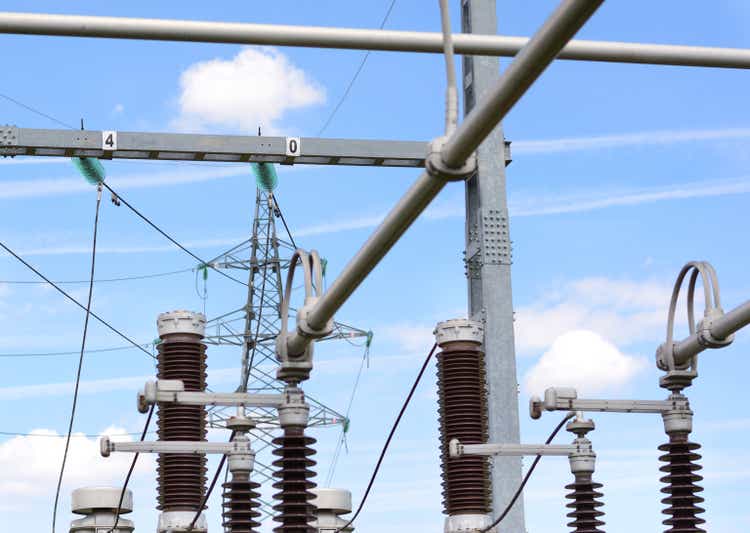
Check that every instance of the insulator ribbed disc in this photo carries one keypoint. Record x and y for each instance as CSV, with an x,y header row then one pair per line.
x,y
293,473
240,506
681,485
462,415
181,478
585,506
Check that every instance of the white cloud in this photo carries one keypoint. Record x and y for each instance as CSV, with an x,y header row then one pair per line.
x,y
642,138
620,310
255,88
118,109
584,360
412,338
31,464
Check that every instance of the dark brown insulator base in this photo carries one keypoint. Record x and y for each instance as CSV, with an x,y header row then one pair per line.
x,y
181,478
240,506
682,502
293,473
585,506
462,400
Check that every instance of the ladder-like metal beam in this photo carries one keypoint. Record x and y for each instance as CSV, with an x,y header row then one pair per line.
x,y
16,141
360,39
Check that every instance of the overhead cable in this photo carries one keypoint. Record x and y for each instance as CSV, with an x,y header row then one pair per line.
x,y
356,75
58,354
130,470
34,110
79,304
80,358
527,476
103,280
46,435
169,237
388,440
283,220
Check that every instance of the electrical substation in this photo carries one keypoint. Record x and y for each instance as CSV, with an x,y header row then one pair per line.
x,y
480,445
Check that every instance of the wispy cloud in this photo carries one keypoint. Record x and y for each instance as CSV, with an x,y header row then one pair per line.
x,y
551,205
642,138
520,206
33,188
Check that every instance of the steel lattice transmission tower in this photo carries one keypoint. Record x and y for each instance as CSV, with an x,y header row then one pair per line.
x,y
254,327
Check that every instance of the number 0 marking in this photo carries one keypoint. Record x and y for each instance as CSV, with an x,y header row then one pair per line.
x,y
109,140
293,147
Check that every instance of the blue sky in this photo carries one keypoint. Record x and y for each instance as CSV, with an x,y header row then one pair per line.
x,y
621,174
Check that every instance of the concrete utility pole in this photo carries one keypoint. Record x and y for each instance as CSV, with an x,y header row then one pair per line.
x,y
488,261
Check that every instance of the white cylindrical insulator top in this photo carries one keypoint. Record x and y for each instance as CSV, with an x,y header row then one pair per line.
x,y
329,505
98,505
188,322
339,501
88,500
459,329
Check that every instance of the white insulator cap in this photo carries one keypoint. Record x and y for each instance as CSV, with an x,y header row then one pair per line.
x,y
329,504
181,322
337,500
88,500
459,329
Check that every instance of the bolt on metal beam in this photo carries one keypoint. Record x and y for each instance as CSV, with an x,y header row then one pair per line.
x,y
360,39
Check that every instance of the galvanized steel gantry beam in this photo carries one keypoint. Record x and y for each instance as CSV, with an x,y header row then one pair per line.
x,y
360,39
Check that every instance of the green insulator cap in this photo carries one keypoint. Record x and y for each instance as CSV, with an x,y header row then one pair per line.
x,y
90,168
370,335
346,425
265,176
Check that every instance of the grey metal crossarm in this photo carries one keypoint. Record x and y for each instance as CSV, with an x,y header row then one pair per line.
x,y
107,446
458,450
173,391
16,141
566,399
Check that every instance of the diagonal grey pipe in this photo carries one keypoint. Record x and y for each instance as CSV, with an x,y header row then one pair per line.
x,y
359,39
564,22
722,327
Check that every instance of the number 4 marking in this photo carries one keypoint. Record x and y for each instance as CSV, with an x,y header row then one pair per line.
x,y
293,146
109,140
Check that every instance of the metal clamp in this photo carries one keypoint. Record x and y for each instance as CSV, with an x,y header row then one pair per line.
x,y
106,447
436,167
173,391
566,399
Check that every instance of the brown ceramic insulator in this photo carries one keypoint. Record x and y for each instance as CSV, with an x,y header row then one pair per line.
x,y
295,512
240,506
585,505
462,408
181,478
681,479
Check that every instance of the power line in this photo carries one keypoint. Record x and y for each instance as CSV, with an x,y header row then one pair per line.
x,y
388,440
207,495
342,438
527,476
356,75
56,354
283,221
130,470
80,359
45,435
34,110
103,280
79,304
169,237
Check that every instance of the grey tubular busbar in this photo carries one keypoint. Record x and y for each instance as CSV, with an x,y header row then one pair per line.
x,y
360,39
523,71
